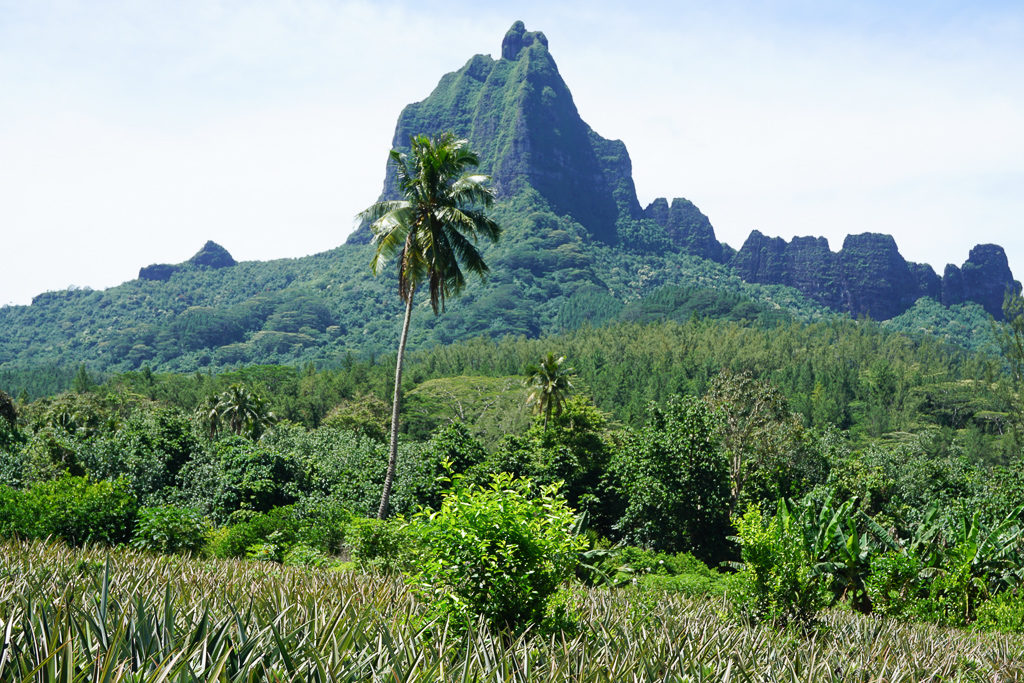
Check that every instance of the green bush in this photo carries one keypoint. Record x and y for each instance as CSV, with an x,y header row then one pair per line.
x,y
303,555
679,573
387,546
499,551
954,591
1004,612
895,584
170,529
322,523
266,551
642,561
80,511
277,527
694,585
780,583
16,517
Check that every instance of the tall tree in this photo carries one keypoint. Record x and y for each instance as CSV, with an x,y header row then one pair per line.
x,y
432,234
770,454
549,385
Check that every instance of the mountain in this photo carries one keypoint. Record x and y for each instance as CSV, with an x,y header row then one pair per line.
x,y
519,116
868,276
577,249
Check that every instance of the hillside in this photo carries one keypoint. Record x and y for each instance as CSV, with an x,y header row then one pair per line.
x,y
577,249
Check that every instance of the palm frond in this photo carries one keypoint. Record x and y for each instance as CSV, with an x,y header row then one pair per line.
x,y
433,229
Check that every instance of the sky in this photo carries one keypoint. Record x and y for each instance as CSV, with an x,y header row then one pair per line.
x,y
133,131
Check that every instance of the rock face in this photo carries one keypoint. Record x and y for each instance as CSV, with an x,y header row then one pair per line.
x,y
806,263
520,118
983,278
686,227
212,255
868,276
518,38
160,272
876,280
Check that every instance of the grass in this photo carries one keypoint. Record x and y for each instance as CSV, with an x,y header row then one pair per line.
x,y
102,615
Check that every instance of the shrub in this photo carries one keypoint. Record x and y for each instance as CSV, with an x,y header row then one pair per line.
x,y
781,585
895,584
694,584
322,523
679,573
954,591
266,551
498,551
278,527
387,546
1004,612
80,511
303,555
170,529
16,517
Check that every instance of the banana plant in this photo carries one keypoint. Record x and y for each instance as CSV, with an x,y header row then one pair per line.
x,y
839,549
993,555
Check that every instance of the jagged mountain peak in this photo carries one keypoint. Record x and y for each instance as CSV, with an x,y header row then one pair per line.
x,y
869,276
519,116
517,38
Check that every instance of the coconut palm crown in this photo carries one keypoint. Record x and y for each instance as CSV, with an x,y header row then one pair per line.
x,y
432,233
550,385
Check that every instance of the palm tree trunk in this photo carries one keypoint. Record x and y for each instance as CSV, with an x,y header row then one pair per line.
x,y
389,478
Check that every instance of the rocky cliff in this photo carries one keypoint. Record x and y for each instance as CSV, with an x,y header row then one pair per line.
x,y
983,278
686,228
519,116
868,276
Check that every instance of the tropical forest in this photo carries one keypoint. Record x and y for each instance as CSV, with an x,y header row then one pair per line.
x,y
518,428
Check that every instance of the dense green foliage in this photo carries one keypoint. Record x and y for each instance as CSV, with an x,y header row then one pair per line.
x,y
745,418
674,481
499,551
170,529
782,583
73,509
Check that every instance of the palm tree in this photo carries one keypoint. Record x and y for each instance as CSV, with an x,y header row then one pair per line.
x,y
549,385
244,412
432,233
208,415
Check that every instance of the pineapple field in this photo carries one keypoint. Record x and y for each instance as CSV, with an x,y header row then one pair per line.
x,y
101,614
